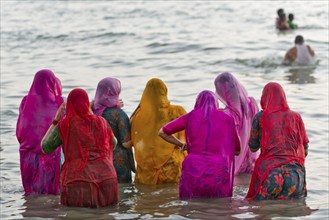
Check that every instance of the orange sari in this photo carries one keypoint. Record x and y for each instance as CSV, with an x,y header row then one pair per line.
x,y
158,161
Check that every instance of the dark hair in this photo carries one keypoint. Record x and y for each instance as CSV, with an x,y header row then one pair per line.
x,y
279,11
291,17
299,39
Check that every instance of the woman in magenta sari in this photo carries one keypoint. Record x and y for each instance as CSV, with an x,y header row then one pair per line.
x,y
243,108
40,172
280,134
211,142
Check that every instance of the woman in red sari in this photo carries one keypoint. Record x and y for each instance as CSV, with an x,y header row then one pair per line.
x,y
88,177
280,133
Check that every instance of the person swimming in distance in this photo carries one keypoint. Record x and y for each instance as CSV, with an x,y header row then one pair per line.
x,y
281,20
291,24
301,53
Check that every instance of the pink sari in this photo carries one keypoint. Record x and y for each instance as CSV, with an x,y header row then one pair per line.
x,y
243,108
211,139
40,172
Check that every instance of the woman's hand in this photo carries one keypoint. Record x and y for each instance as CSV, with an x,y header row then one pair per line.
x,y
121,103
60,112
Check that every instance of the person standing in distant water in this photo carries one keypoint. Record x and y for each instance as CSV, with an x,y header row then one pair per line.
x,y
280,134
40,173
301,53
158,162
108,105
242,108
281,20
292,25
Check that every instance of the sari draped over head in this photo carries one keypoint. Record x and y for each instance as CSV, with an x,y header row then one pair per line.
x,y
212,140
40,172
107,95
86,139
151,151
243,108
283,136
88,146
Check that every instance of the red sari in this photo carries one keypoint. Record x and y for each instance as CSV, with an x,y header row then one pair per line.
x,y
88,177
283,136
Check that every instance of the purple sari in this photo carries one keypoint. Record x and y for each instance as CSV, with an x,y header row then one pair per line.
x,y
40,172
107,95
243,108
212,140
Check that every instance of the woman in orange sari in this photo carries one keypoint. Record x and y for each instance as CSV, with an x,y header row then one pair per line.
x,y
158,161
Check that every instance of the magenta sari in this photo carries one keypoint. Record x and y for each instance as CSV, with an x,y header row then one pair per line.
x,y
212,140
243,108
40,172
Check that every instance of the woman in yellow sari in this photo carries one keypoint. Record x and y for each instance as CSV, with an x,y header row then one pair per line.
x,y
158,161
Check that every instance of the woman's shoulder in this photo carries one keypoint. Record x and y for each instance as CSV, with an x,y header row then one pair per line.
x,y
225,114
295,114
258,115
116,110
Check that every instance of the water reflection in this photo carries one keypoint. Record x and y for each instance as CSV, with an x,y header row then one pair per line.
x,y
270,209
152,200
49,207
301,74
41,206
162,202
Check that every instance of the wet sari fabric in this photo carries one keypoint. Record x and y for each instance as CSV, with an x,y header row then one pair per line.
x,y
282,141
88,177
243,108
107,105
212,140
157,160
40,172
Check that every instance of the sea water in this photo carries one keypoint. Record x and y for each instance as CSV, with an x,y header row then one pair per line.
x,y
186,44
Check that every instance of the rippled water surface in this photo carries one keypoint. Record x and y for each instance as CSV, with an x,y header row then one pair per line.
x,y
186,44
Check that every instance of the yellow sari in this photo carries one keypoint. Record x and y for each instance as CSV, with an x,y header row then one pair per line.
x,y
157,160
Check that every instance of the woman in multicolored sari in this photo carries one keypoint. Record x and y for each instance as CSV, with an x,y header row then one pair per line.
x,y
243,108
280,134
88,177
211,142
108,105
40,172
158,161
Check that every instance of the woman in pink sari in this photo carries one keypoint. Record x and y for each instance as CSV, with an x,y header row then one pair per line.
x,y
40,172
243,108
211,142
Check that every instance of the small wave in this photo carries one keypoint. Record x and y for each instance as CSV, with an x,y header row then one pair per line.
x,y
267,62
163,48
111,34
311,27
49,37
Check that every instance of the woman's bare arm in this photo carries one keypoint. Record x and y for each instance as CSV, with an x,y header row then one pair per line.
x,y
170,138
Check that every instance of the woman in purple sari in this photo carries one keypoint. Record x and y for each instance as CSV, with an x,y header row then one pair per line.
x,y
243,108
107,104
40,172
211,142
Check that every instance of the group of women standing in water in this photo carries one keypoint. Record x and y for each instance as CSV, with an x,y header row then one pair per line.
x,y
201,150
